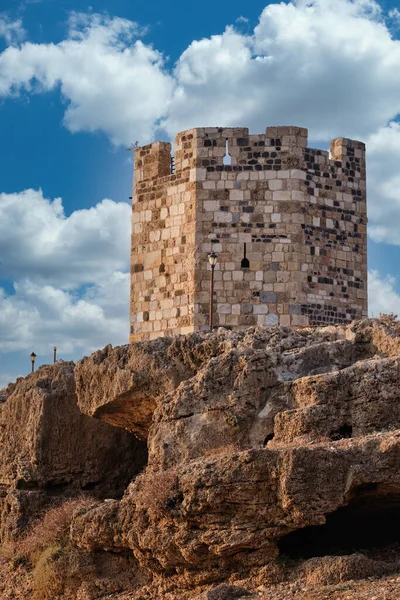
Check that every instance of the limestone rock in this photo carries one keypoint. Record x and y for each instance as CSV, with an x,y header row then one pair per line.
x,y
254,436
49,449
122,386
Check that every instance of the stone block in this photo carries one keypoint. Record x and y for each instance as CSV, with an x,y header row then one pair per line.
x,y
295,309
268,297
275,184
224,309
211,205
260,309
247,309
272,319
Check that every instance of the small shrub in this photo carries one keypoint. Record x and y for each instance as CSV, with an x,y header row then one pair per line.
x,y
157,492
19,560
47,581
388,319
52,528
47,551
233,419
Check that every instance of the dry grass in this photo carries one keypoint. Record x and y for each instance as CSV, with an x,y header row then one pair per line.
x,y
46,578
52,528
46,551
389,318
157,492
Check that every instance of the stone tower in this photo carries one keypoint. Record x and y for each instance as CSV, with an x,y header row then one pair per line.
x,y
287,222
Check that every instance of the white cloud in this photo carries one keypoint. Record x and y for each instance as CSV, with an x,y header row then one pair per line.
x,y
11,31
42,316
39,242
331,66
383,162
111,82
383,298
394,15
71,279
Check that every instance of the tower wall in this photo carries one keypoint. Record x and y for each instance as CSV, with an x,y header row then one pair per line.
x,y
298,215
163,237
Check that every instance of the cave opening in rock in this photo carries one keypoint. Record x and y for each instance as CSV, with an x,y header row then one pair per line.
x,y
370,521
269,438
344,432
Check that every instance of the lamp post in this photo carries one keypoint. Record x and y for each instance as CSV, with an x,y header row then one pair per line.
x,y
55,354
212,259
33,358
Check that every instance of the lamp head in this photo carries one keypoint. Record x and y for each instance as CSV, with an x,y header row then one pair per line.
x,y
212,259
33,356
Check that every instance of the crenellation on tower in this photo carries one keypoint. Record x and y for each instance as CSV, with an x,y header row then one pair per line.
x,y
152,161
288,223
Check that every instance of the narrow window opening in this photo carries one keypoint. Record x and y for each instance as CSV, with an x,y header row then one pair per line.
x,y
172,165
227,160
245,264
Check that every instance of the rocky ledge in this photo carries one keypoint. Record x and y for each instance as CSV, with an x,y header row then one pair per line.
x,y
274,454
51,451
273,462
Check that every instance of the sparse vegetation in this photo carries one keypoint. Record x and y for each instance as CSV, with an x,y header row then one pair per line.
x,y
46,578
157,492
233,419
49,530
47,552
390,320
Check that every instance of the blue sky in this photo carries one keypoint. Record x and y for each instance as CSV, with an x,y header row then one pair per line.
x,y
79,83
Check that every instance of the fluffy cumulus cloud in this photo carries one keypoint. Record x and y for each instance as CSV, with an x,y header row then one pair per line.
x,y
383,298
109,78
40,316
384,184
330,66
70,274
38,240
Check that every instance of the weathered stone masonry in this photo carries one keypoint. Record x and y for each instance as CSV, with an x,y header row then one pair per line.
x,y
288,223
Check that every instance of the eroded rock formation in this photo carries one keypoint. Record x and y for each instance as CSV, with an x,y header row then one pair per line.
x,y
49,449
273,464
252,436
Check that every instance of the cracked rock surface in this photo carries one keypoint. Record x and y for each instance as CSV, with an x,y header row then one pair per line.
x,y
253,436
50,450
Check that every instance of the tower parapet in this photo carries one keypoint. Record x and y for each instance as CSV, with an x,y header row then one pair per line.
x,y
297,215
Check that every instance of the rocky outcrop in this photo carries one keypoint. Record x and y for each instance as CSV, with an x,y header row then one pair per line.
x,y
121,386
49,449
254,438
